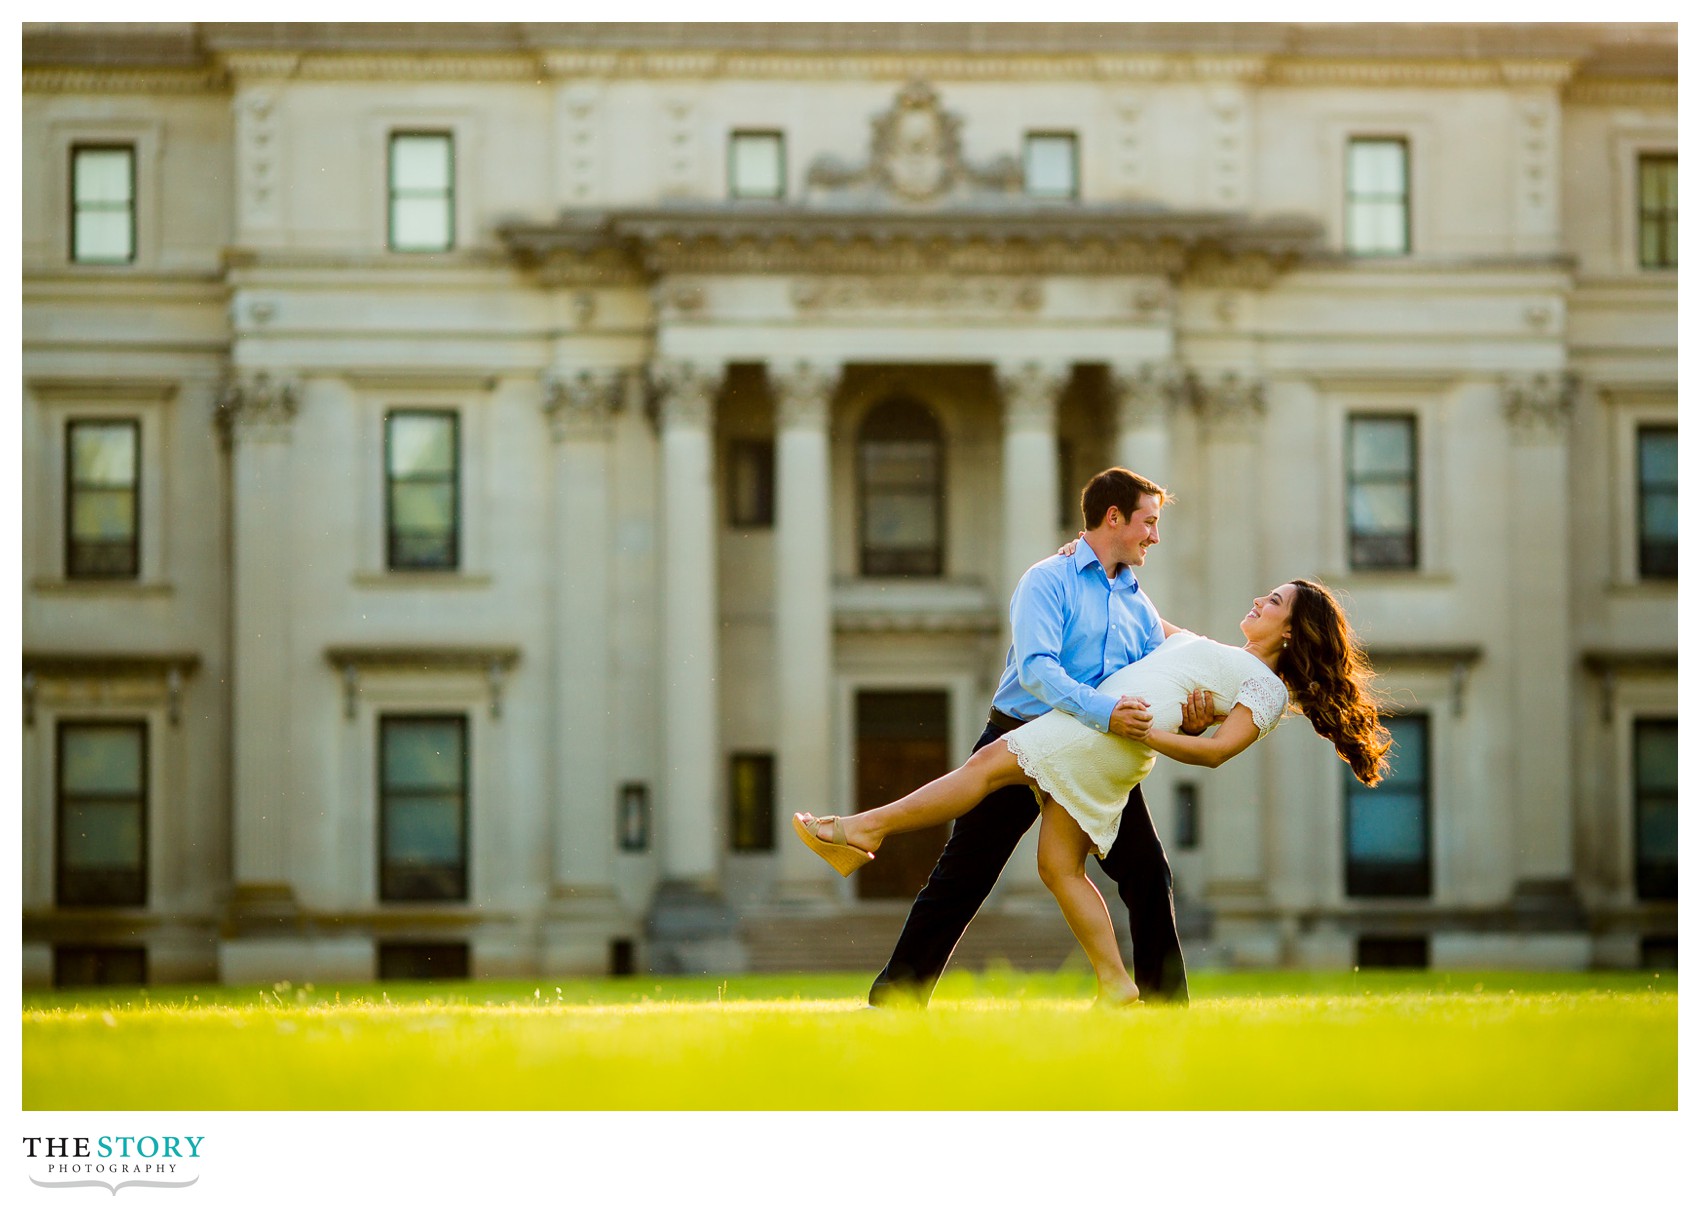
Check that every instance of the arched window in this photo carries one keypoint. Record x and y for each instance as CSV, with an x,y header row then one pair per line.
x,y
900,478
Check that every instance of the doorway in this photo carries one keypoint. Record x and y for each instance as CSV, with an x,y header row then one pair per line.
x,y
902,741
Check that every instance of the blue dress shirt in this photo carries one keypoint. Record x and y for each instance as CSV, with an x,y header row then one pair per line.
x,y
1071,626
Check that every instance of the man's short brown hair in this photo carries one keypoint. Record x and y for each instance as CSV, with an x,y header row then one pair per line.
x,y
1119,487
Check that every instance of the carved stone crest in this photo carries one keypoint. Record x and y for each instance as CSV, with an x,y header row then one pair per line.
x,y
1537,406
1230,405
915,156
582,404
257,408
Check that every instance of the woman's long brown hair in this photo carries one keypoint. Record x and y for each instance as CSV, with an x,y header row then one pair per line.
x,y
1325,668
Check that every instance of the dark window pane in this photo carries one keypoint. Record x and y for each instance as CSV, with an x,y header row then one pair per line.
x,y
1657,487
1656,198
422,468
1655,809
422,820
1388,847
75,966
900,467
101,530
424,961
1381,495
750,483
101,832
752,801
1392,951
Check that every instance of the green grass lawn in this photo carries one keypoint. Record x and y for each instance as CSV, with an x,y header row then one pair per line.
x,y
995,1041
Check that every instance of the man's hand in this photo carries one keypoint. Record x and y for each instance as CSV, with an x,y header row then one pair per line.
x,y
1199,712
1131,718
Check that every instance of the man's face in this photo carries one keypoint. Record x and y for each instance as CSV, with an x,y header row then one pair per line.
x,y
1138,533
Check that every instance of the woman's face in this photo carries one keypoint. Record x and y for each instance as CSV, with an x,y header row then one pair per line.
x,y
1270,616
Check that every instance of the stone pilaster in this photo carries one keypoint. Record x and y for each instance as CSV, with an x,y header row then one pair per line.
x,y
690,927
579,406
256,418
1031,391
802,396
1230,406
1142,398
1537,410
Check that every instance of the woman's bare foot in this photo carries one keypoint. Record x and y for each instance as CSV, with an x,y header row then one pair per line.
x,y
1116,997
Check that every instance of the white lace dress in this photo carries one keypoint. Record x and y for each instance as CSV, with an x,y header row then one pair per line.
x,y
1090,773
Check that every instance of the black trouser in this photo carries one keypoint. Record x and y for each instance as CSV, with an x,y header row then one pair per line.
x,y
980,845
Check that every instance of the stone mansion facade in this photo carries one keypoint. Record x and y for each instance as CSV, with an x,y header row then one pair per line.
x,y
479,480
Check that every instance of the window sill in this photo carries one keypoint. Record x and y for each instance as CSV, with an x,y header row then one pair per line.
x,y
1652,588
59,587
422,580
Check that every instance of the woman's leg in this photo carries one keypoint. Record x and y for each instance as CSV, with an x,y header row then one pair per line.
x,y
944,799
1063,847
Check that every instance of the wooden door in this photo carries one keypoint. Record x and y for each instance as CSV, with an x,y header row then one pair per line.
x,y
901,743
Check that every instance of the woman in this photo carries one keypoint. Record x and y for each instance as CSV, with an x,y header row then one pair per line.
x,y
1297,642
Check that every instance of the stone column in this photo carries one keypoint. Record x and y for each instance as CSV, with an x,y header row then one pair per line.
x,y
1537,410
580,409
690,926
1142,396
1231,410
1030,490
802,591
256,414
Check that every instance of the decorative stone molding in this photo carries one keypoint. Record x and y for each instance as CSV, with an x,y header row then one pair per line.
x,y
932,293
679,147
257,140
1229,150
580,145
1143,395
1230,405
1538,120
915,156
72,679
1648,94
684,392
582,404
1537,407
256,408
802,393
450,67
354,661
123,80
1031,391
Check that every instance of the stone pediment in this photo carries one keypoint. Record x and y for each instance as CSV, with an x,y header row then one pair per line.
x,y
914,158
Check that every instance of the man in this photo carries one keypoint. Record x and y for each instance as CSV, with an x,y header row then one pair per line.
x,y
1074,620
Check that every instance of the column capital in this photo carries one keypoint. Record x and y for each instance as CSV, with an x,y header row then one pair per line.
x,y
684,391
1143,393
581,404
1537,407
256,407
802,393
1031,390
1230,404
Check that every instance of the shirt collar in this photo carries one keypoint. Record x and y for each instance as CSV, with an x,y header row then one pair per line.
x,y
1084,558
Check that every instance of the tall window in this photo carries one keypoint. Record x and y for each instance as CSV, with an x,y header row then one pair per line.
x,y
422,489
1378,197
749,487
1656,201
900,472
102,799
752,801
1388,851
1655,809
103,204
1051,165
422,191
1655,464
755,164
101,491
1381,491
422,810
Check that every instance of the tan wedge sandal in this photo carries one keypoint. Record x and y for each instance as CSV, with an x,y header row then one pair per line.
x,y
844,857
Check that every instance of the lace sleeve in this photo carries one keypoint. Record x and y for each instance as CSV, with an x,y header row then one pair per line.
x,y
1266,696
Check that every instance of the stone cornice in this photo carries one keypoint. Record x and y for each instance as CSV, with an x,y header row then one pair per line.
x,y
1004,239
56,79
1656,93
